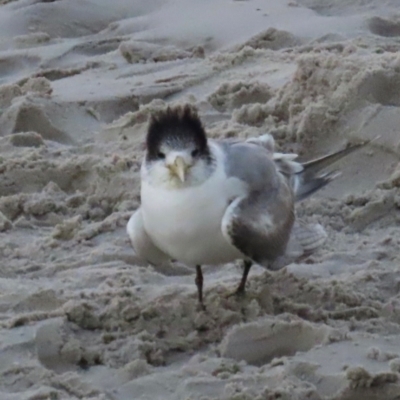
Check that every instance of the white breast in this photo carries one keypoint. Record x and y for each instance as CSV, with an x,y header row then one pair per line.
x,y
186,223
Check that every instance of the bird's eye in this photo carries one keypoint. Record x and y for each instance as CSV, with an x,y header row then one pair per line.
x,y
160,155
195,153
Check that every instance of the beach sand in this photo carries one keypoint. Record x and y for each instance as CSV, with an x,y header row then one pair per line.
x,y
80,316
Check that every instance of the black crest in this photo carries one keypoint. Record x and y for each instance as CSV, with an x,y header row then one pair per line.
x,y
179,127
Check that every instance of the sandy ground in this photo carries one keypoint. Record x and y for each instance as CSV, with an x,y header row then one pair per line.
x,y
80,316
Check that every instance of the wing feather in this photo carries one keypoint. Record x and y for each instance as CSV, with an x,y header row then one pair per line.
x,y
141,242
260,224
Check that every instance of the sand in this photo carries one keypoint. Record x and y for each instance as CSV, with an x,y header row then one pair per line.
x,y
80,316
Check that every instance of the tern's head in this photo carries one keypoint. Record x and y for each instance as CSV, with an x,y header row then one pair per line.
x,y
177,153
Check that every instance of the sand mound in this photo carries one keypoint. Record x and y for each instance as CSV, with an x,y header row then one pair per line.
x,y
384,27
260,342
233,95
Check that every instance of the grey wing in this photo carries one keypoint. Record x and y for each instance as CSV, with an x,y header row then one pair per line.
x,y
258,224
305,178
265,141
304,240
142,244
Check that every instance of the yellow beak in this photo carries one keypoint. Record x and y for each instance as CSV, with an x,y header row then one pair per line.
x,y
179,168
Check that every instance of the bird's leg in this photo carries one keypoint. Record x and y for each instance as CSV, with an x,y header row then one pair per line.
x,y
199,284
242,285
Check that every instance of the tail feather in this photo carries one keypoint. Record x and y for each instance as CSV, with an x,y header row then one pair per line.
x,y
304,188
309,179
322,162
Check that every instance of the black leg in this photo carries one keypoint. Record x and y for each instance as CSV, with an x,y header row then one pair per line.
x,y
242,285
199,284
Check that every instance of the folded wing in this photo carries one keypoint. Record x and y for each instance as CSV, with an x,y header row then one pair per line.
x,y
258,224
143,246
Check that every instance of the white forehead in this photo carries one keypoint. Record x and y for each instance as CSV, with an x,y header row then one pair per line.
x,y
184,154
185,147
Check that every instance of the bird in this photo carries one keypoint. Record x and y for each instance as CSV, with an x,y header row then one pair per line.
x,y
210,201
